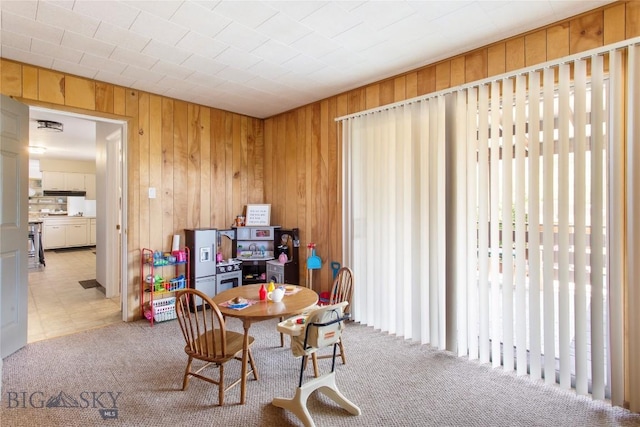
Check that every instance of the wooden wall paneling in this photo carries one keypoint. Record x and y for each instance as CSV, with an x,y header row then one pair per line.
x,y
458,71
372,96
119,100
154,142
230,173
166,185
557,41
496,60
333,190
399,89
205,169
475,65
10,78
411,85
586,32
51,86
193,188
535,47
288,216
313,143
180,160
426,80
632,22
270,135
280,165
220,214
239,166
387,89
300,185
29,82
104,97
255,142
614,24
443,75
322,196
133,194
143,178
357,101
80,92
515,54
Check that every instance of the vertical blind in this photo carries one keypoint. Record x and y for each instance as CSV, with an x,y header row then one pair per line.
x,y
503,204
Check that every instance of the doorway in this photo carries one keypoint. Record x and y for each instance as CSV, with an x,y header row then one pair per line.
x,y
59,303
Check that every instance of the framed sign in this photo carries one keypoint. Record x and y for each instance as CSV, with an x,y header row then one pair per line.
x,y
258,215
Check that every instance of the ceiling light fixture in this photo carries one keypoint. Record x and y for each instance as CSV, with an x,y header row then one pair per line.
x,y
50,125
34,149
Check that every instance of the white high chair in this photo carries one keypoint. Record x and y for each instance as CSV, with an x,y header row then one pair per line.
x,y
321,328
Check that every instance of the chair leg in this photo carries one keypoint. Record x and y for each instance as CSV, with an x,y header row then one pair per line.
x,y
342,355
314,359
281,335
253,366
221,385
185,380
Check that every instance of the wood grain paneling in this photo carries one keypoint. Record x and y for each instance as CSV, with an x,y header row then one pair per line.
x,y
29,82
79,92
515,54
496,61
535,46
586,32
558,41
426,80
51,86
104,97
632,19
10,78
475,65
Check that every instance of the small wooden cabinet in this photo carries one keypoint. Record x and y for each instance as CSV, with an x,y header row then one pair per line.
x,y
70,181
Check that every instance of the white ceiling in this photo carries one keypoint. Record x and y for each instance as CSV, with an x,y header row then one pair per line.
x,y
258,58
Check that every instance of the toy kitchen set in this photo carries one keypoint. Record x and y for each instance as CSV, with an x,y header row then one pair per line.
x,y
258,254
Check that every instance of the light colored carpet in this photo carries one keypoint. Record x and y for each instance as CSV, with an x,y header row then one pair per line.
x,y
394,382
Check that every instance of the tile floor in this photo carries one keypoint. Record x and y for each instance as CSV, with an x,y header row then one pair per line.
x,y
58,305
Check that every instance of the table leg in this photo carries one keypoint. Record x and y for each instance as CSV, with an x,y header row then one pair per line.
x,y
245,358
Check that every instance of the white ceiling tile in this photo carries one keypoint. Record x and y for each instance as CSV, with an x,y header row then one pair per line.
x,y
304,64
241,36
315,45
237,58
200,63
65,4
298,10
359,38
113,34
275,51
140,74
30,28
27,57
436,9
380,14
15,40
203,45
153,27
156,49
66,19
207,4
161,8
171,69
249,13
25,8
283,28
101,63
203,79
74,68
330,20
149,86
55,50
82,43
233,74
194,17
135,58
114,12
269,70
117,79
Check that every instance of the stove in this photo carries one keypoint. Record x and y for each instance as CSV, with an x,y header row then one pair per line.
x,y
228,266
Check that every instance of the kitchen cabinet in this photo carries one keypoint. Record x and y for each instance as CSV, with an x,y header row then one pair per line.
x,y
65,232
70,181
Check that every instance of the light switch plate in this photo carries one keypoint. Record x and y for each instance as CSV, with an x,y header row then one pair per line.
x,y
152,192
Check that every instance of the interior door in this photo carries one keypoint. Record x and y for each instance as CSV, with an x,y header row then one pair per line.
x,y
14,222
